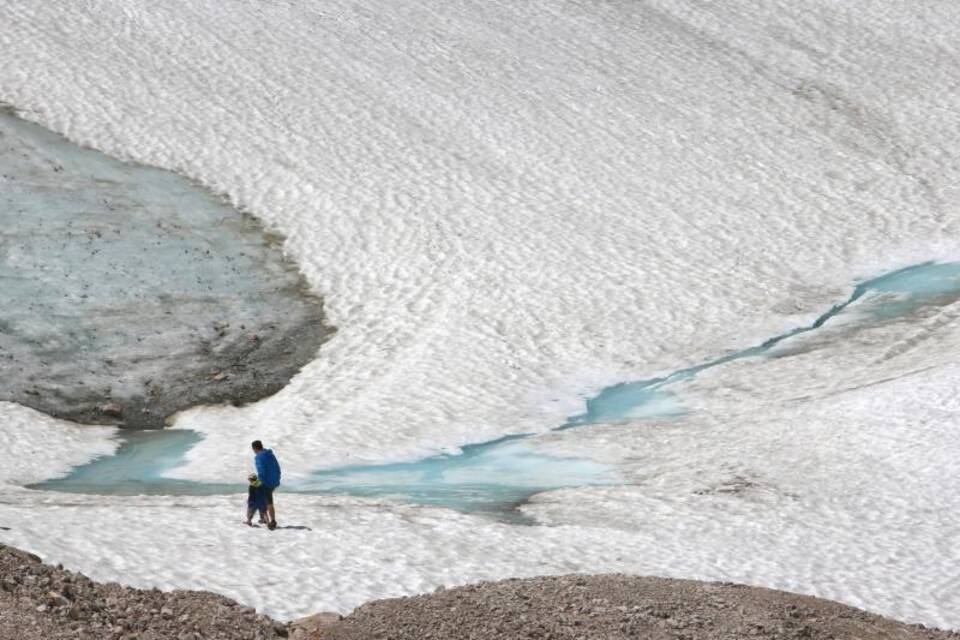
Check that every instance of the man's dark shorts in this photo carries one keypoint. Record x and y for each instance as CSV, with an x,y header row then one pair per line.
x,y
268,491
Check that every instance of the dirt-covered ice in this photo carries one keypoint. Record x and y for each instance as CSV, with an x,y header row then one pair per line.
x,y
130,293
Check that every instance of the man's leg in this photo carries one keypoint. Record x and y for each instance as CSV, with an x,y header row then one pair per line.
x,y
273,514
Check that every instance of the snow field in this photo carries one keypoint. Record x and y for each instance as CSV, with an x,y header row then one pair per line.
x,y
506,205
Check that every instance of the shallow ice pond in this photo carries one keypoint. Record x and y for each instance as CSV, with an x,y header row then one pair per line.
x,y
494,477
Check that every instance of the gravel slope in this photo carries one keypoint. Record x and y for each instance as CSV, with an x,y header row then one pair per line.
x,y
38,601
613,607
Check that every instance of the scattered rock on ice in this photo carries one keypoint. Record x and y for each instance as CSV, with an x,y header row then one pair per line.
x,y
125,286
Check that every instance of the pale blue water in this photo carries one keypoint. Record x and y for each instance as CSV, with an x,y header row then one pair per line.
x,y
138,468
489,478
494,477
907,290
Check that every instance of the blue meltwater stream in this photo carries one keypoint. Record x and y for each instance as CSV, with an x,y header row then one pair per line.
x,y
494,477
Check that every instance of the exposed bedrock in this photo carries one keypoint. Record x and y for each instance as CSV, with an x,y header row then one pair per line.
x,y
128,293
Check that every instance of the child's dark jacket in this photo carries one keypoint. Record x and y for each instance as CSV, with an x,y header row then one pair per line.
x,y
257,497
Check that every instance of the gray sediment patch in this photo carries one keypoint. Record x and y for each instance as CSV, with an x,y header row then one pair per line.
x,y
128,293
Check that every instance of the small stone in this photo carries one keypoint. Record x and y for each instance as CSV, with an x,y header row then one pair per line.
x,y
112,409
313,626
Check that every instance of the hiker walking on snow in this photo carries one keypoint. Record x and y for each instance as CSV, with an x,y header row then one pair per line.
x,y
268,472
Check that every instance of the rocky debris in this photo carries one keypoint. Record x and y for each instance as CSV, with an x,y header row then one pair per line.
x,y
38,601
616,607
112,410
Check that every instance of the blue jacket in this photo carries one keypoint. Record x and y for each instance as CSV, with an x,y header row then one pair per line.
x,y
268,469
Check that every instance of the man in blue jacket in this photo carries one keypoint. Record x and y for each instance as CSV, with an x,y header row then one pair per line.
x,y
268,471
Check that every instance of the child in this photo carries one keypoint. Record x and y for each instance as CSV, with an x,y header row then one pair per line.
x,y
256,500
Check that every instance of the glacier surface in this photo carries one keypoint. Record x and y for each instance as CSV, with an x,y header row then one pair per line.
x,y
507,208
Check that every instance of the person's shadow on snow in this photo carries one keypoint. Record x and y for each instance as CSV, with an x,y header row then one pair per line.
x,y
296,527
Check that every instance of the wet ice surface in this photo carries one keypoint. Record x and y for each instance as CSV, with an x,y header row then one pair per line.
x,y
128,293
496,477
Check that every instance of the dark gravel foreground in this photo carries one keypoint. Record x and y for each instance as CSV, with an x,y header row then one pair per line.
x,y
614,607
38,601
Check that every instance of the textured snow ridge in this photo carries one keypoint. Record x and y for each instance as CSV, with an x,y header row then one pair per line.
x,y
131,294
508,206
